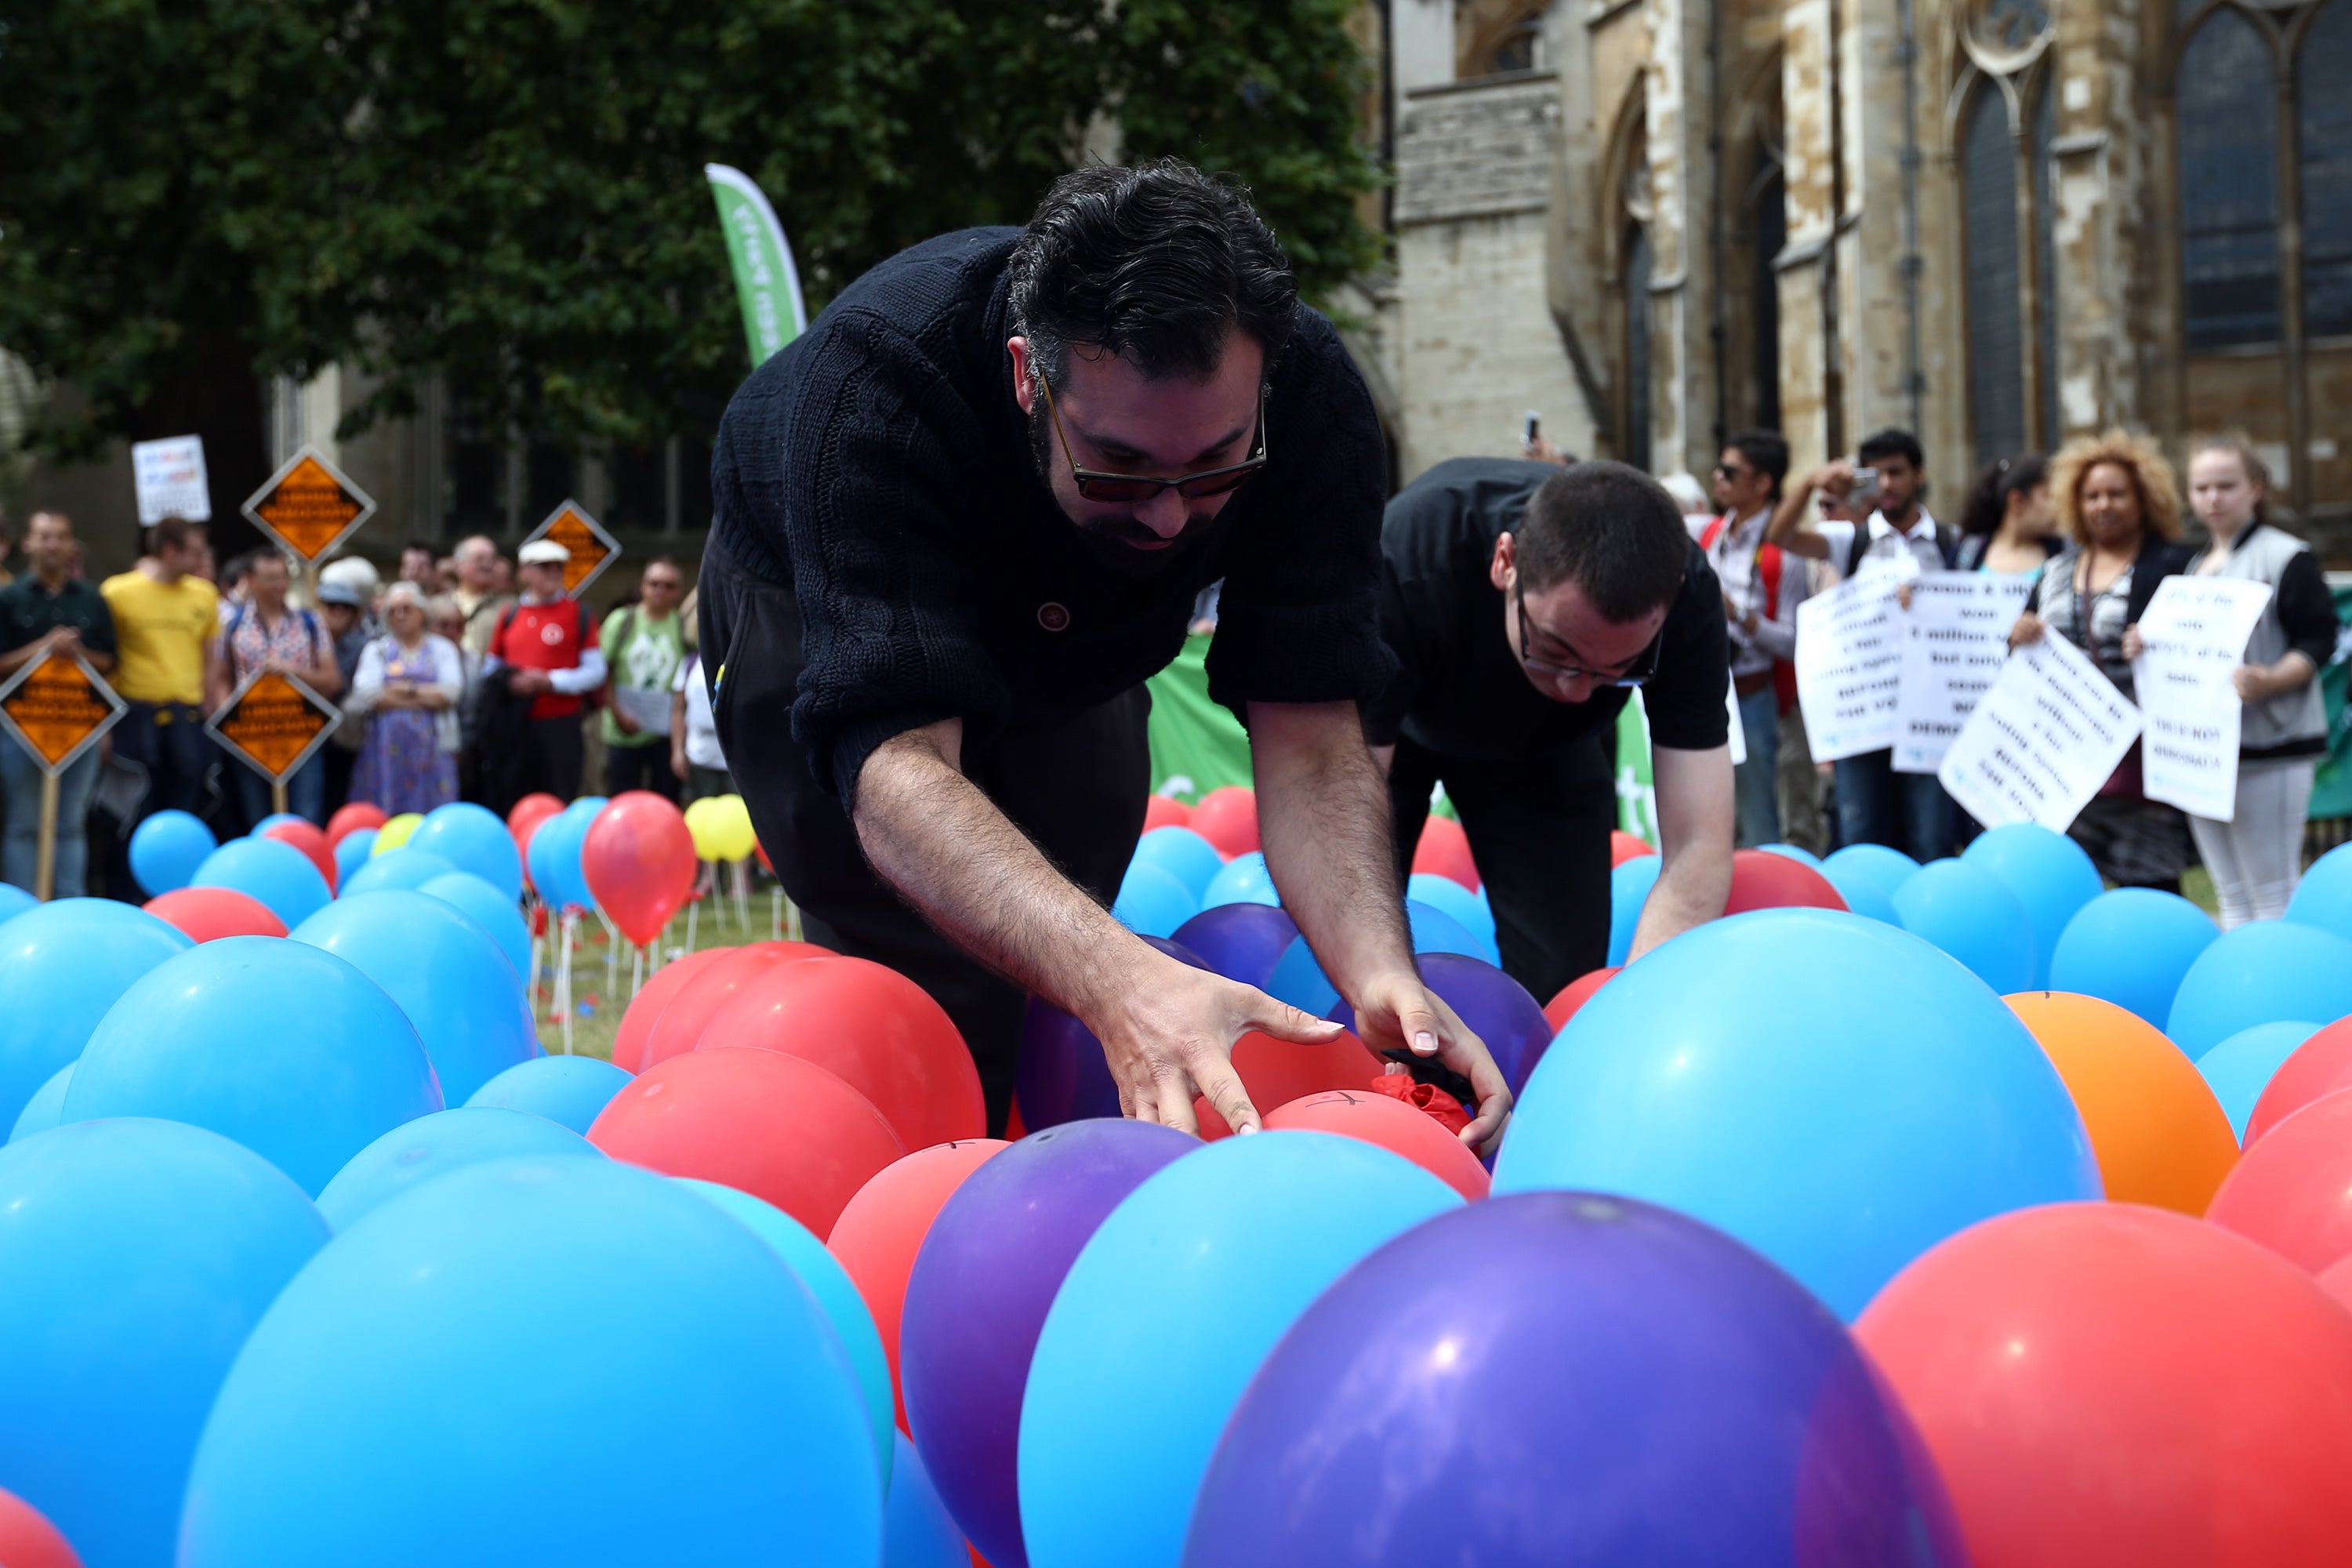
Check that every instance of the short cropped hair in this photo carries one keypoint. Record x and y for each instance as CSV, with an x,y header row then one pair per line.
x,y
174,533
1765,451
1612,531
1891,442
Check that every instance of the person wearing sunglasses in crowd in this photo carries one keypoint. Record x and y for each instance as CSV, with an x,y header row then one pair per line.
x,y
960,519
1525,606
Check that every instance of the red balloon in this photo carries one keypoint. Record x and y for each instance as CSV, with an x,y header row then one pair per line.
x,y
1624,846
2337,1280
206,914
761,851
680,1024
2320,1066
1165,811
1444,851
1394,1126
1575,994
656,994
1227,818
760,1121
2108,1383
1763,880
1277,1072
878,1030
311,842
877,1236
538,803
350,819
2292,1191
638,860
27,1538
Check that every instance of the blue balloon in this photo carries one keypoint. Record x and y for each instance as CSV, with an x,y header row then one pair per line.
x,y
351,852
436,1145
61,967
1628,890
2324,897
280,876
1435,931
1862,895
567,1090
166,849
1183,855
1152,902
1299,979
918,1531
2131,947
1202,1266
1452,899
1890,869
2239,1068
1971,913
1803,856
14,902
1830,1090
396,869
1244,881
472,839
138,1255
488,908
836,1296
2051,874
463,997
2261,973
554,857
283,1046
47,1108
387,1410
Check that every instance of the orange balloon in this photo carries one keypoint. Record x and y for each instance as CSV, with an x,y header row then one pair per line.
x,y
656,994
680,1025
2292,1191
27,1538
2320,1066
880,1231
1165,811
1444,851
2160,1136
1227,817
1624,846
759,1122
1394,1126
877,1030
1575,994
1277,1072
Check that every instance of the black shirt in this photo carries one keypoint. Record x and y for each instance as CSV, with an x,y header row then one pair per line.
x,y
881,467
27,611
1460,691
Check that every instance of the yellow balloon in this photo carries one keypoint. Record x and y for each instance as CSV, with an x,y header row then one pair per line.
x,y
735,835
395,833
702,825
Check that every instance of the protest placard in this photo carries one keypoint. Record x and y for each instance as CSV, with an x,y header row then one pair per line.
x,y
2042,741
308,506
2195,630
56,708
1955,640
168,477
1849,666
592,548
272,723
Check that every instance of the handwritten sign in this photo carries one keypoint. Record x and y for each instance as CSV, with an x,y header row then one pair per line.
x,y
1849,666
592,548
2195,630
56,709
308,506
1955,641
2042,740
168,476
273,722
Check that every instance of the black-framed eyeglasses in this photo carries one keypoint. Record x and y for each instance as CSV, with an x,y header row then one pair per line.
x,y
1726,471
1130,489
1644,665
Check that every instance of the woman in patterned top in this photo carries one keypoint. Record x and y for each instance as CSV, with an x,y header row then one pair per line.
x,y
264,633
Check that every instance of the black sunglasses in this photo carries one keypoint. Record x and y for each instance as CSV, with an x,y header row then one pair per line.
x,y
1128,490
1643,666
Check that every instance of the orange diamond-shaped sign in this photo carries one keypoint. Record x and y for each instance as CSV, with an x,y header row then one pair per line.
x,y
57,707
592,548
308,506
274,722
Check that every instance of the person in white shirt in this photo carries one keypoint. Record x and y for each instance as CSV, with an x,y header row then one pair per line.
x,y
1760,595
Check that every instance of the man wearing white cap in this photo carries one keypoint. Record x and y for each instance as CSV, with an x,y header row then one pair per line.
x,y
543,658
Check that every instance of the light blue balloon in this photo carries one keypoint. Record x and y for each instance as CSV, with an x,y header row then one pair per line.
x,y
2261,973
47,1108
568,1090
2239,1068
2051,874
1183,855
401,869
463,997
1299,979
280,876
835,1295
554,856
1801,856
489,908
351,852
138,1255
472,839
1152,902
918,1531
1203,1267
1890,869
400,1402
278,1043
274,818
61,967
1628,890
1830,1090
14,902
1862,895
2324,897
1244,881
1435,931
1450,897
166,849
1971,913
436,1145
2131,947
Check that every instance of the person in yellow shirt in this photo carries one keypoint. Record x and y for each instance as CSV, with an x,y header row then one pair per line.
x,y
163,616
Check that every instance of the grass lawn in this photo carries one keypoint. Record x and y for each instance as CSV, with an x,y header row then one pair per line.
x,y
601,1004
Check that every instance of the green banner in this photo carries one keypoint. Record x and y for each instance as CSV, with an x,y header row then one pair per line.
x,y
1637,795
1196,744
2331,792
765,278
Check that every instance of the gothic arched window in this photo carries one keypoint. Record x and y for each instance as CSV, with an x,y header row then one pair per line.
x,y
2229,185
1995,287
2322,67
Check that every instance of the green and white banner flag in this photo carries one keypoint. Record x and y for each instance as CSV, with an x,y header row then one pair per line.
x,y
765,278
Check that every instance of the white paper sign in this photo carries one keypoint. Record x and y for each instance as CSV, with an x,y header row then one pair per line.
x,y
1849,665
2195,630
2042,741
169,477
1955,641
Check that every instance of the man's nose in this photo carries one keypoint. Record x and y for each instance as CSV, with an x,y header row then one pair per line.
x,y
1164,514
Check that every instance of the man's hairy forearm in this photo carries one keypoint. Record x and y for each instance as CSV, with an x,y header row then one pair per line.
x,y
1323,819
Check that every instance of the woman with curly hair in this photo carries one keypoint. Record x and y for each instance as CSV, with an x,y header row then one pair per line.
x,y
2120,512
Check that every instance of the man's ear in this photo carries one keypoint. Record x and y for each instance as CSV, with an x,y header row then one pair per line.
x,y
1024,389
1505,562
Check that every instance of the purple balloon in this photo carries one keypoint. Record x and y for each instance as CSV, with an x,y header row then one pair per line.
x,y
1497,1008
1568,1377
1062,1076
977,1298
1240,941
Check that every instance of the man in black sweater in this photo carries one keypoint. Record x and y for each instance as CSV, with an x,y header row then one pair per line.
x,y
956,525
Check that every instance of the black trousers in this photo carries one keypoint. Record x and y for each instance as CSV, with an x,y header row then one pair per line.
x,y
1076,787
640,767
553,751
1538,828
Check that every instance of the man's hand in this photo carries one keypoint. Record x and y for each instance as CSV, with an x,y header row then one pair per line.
x,y
1169,1035
65,641
622,722
2027,630
1398,1013
677,762
524,681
